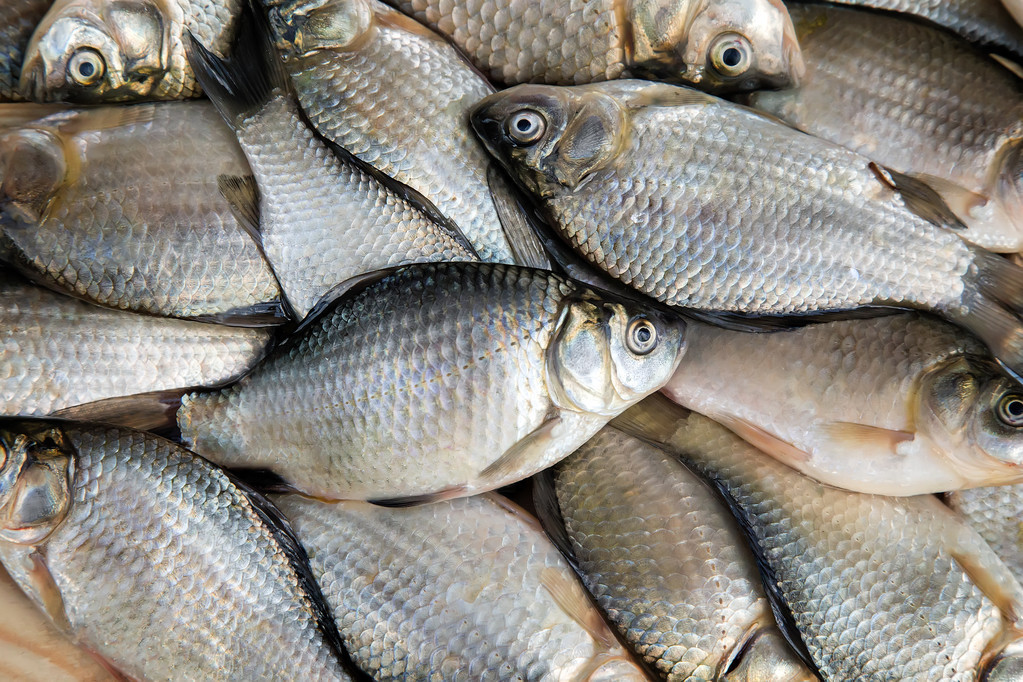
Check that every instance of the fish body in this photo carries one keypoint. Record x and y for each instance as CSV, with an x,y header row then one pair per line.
x,y
880,588
324,218
356,88
438,380
996,514
121,206
59,351
667,563
18,19
154,559
937,123
101,51
466,589
586,41
704,204
895,405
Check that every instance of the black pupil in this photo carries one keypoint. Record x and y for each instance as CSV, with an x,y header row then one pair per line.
x,y
731,57
643,335
86,69
524,125
1014,408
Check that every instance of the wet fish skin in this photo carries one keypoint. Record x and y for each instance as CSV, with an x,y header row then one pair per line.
x,y
704,204
121,206
962,138
995,514
559,43
665,560
101,51
59,351
356,88
438,380
324,218
17,22
154,558
922,596
895,405
466,589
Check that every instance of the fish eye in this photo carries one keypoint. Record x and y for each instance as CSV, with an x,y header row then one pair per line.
x,y
641,336
526,126
86,67
1010,409
731,55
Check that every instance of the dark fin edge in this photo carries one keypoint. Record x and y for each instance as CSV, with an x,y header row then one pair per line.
x,y
919,197
548,511
267,314
991,307
153,411
516,223
416,500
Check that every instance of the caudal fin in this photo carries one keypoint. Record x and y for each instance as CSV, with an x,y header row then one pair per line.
x,y
992,308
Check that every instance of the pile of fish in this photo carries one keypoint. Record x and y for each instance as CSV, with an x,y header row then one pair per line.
x,y
575,340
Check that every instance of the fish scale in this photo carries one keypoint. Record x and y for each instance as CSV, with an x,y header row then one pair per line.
x,y
17,22
995,514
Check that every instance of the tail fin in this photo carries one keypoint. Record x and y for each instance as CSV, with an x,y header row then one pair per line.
x,y
244,83
993,308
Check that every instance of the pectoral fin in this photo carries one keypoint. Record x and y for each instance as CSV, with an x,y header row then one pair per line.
x,y
520,460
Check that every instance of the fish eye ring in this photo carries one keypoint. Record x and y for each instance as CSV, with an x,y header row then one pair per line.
x,y
1010,409
641,336
86,67
731,55
526,126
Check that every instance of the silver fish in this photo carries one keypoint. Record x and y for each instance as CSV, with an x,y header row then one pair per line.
x,y
99,51
704,204
466,589
880,588
665,560
18,19
438,380
154,559
997,515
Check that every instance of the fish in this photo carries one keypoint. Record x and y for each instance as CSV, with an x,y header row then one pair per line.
x,y
31,648
60,351
877,588
666,562
465,589
703,204
122,207
716,45
324,216
355,88
995,513
437,380
938,125
104,51
1015,8
18,19
156,560
896,405
985,22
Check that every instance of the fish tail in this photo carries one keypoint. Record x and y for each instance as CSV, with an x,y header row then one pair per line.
x,y
992,308
253,75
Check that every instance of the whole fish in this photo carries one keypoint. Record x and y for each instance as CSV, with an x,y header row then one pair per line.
x,y
31,648
356,86
438,380
466,589
701,203
154,559
96,51
121,206
667,563
324,216
880,588
716,45
59,352
962,139
18,19
997,515
896,405
985,22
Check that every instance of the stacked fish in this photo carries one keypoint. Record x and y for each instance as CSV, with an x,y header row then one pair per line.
x,y
692,353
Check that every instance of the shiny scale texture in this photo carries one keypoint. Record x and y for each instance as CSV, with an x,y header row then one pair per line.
x,y
323,220
997,515
457,590
56,351
18,19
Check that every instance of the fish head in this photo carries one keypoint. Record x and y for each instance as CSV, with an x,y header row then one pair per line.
x,y
551,138
96,52
973,412
33,167
301,27
607,354
719,46
36,472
